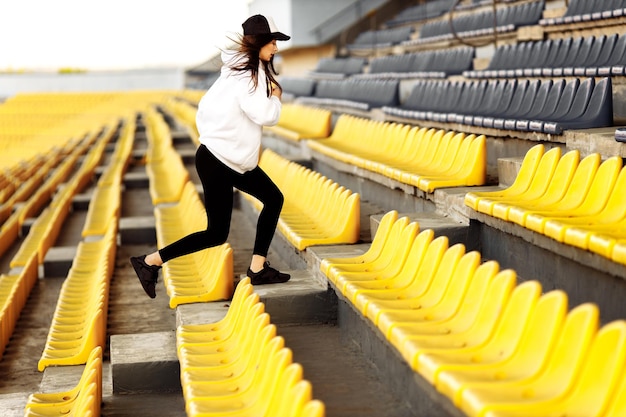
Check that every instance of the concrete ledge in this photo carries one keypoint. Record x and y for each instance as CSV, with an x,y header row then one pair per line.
x,y
143,363
12,405
137,230
441,225
58,261
136,180
60,378
300,300
81,202
394,372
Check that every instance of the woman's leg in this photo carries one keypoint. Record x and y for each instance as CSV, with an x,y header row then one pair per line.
x,y
217,183
259,185
218,194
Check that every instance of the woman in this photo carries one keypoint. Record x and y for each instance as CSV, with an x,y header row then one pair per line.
x,y
230,119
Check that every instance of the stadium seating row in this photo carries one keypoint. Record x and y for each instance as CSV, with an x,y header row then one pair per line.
x,y
579,203
83,400
46,227
425,158
507,19
428,64
199,277
494,347
354,93
338,67
165,168
421,12
538,106
581,11
15,288
382,38
299,122
239,365
185,112
79,320
316,211
581,56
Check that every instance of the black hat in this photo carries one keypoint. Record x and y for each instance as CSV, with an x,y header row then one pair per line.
x,y
259,25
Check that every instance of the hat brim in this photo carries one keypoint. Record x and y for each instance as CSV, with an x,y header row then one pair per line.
x,y
279,36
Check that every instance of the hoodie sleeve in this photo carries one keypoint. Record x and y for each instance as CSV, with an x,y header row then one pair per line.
x,y
258,107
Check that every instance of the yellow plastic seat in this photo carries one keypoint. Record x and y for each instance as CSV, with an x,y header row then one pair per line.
x,y
536,188
86,404
582,202
298,122
505,356
468,278
521,183
317,211
211,355
406,153
486,384
579,185
436,263
467,169
191,333
485,343
613,212
372,263
554,188
617,406
587,392
490,286
197,388
82,399
372,252
250,402
395,262
359,291
522,300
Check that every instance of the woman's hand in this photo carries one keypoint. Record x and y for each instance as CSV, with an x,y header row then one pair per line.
x,y
276,91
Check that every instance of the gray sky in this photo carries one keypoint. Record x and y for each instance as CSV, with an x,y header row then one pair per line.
x,y
114,34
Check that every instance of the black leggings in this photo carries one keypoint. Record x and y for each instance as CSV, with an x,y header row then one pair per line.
x,y
218,181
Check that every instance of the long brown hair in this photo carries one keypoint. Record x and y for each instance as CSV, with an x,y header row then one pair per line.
x,y
249,47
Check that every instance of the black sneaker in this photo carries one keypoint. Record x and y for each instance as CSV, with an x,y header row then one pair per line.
x,y
267,275
147,274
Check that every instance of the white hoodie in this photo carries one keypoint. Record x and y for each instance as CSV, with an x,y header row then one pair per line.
x,y
231,116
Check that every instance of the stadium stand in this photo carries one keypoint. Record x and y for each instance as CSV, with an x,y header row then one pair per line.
x,y
519,313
